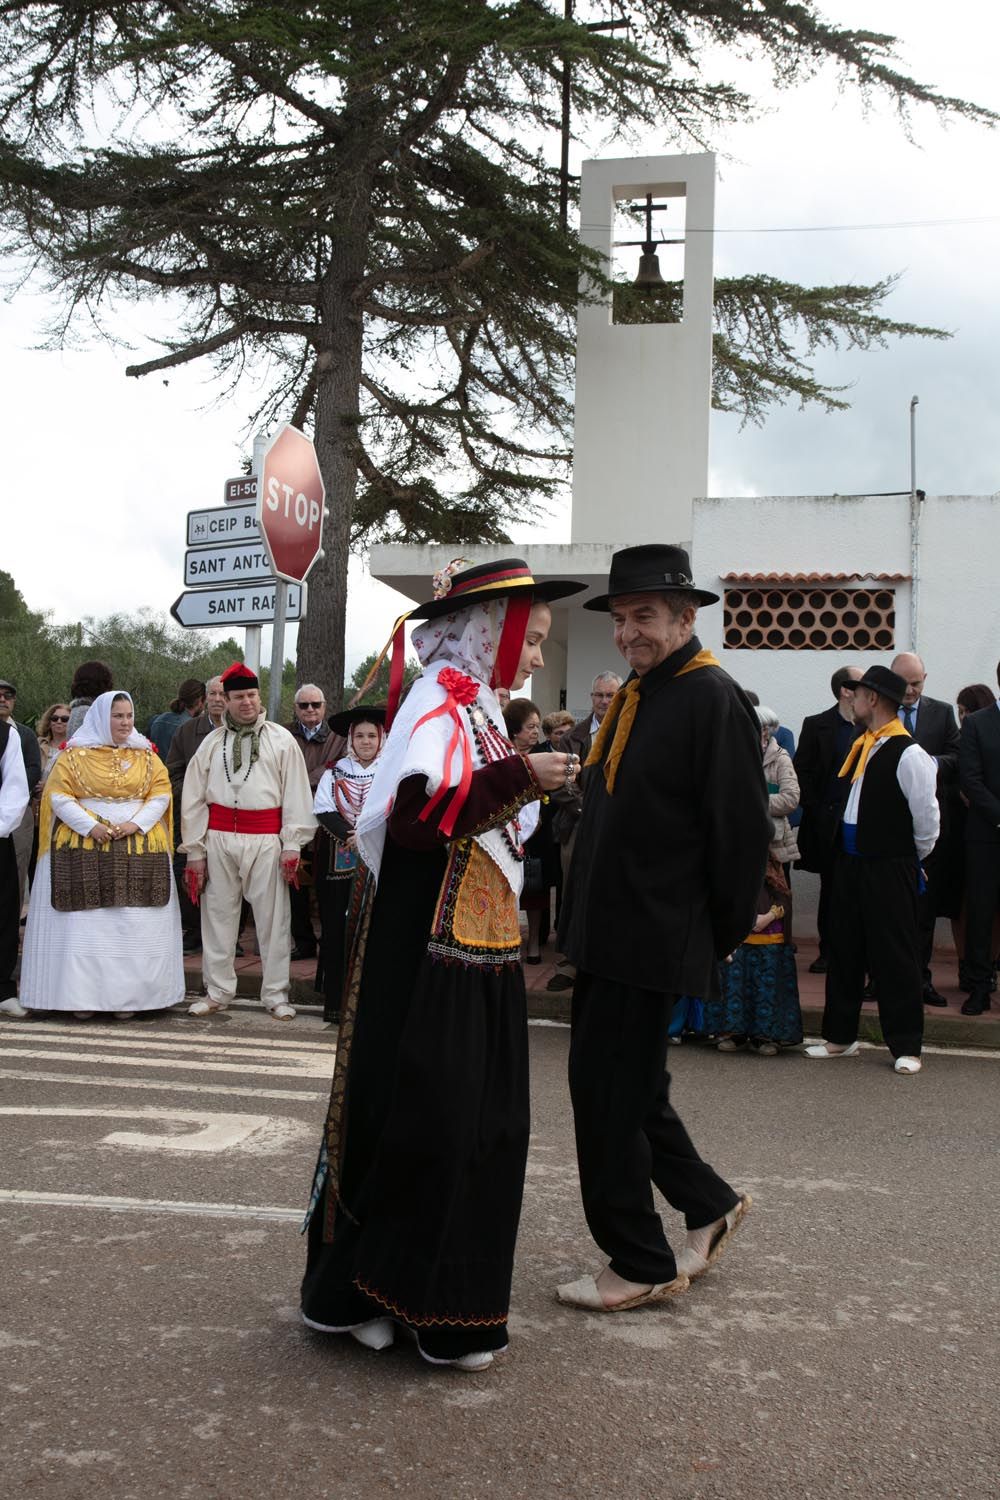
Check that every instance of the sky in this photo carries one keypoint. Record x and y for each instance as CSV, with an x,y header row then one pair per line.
x,y
100,470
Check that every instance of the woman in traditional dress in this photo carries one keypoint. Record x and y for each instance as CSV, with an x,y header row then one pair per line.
x,y
340,796
104,928
418,1190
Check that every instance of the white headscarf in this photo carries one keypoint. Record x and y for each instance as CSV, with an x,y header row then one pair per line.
x,y
96,727
465,641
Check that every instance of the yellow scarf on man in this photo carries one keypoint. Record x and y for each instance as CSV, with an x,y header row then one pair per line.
x,y
621,716
110,773
863,746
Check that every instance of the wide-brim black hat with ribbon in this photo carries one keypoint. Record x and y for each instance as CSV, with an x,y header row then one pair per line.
x,y
651,569
345,721
886,683
456,587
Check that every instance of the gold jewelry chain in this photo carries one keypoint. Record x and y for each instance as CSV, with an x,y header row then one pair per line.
x,y
118,774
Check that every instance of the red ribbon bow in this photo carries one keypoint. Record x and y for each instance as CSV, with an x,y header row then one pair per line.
x,y
461,691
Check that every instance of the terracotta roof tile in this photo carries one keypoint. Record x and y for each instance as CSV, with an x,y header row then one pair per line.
x,y
813,578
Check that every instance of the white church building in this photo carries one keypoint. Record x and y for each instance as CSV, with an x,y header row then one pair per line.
x,y
808,582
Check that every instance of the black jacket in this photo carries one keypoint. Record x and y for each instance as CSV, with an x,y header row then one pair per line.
x,y
979,774
817,762
937,732
666,871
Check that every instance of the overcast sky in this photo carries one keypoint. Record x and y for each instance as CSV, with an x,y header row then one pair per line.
x,y
100,470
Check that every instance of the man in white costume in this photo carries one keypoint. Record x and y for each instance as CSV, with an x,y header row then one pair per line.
x,y
246,812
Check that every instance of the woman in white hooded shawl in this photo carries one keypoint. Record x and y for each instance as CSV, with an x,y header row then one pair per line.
x,y
418,1190
103,930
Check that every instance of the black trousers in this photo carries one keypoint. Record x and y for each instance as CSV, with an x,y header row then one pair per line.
x,y
874,928
628,1135
303,932
10,918
982,900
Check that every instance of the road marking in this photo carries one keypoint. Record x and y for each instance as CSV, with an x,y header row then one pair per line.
x,y
218,1131
152,1205
167,1084
130,1041
320,1067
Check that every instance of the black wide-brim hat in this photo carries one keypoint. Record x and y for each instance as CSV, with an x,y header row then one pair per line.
x,y
345,721
652,569
886,683
486,581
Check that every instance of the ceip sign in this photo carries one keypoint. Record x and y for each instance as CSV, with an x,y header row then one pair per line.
x,y
290,504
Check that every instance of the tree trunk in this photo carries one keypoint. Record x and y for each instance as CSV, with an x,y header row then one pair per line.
x,y
320,657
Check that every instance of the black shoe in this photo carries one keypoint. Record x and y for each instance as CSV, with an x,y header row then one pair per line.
x,y
299,953
192,944
976,1004
931,996
561,982
238,951
818,965
868,993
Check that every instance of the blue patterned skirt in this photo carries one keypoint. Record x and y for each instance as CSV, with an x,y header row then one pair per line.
x,y
760,996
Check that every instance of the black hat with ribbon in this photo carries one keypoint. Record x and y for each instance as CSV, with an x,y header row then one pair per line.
x,y
345,721
886,683
652,569
459,585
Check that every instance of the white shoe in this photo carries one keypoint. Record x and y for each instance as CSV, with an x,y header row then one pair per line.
x,y
823,1049
378,1334
282,1012
83,1015
481,1360
123,1015
205,1007
907,1065
13,1007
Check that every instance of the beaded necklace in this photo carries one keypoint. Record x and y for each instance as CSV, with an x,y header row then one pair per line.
x,y
225,763
493,745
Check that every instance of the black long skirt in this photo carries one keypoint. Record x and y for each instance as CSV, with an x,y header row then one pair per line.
x,y
435,1126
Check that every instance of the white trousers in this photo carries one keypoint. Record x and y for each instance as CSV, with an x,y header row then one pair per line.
x,y
245,865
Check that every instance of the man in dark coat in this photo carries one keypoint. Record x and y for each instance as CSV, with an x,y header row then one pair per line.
x,y
184,744
672,846
823,744
932,725
979,771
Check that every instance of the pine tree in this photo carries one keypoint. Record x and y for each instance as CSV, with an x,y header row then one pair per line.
x,y
351,192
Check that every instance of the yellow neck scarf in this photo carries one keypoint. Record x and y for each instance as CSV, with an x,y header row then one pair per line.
x,y
863,746
621,716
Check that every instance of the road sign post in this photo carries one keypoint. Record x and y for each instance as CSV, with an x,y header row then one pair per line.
x,y
290,510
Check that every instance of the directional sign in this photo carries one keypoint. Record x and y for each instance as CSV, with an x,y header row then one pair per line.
x,y
236,562
247,604
243,488
233,523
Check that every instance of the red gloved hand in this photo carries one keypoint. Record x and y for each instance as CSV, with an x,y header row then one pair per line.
x,y
290,869
194,880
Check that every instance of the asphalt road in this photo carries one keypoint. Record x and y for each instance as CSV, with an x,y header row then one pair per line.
x,y
149,1335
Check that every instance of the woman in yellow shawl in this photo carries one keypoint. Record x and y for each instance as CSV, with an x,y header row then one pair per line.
x,y
104,930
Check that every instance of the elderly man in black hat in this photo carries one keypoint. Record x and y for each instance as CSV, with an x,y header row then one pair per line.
x,y
890,824
675,831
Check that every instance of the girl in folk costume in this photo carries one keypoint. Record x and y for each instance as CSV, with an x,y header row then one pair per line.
x,y
340,797
418,1189
104,890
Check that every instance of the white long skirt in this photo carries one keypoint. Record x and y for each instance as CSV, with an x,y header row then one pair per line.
x,y
113,958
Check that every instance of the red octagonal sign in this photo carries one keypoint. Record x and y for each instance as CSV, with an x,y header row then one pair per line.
x,y
290,504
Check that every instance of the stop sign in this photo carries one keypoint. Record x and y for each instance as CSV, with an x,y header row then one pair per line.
x,y
290,504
